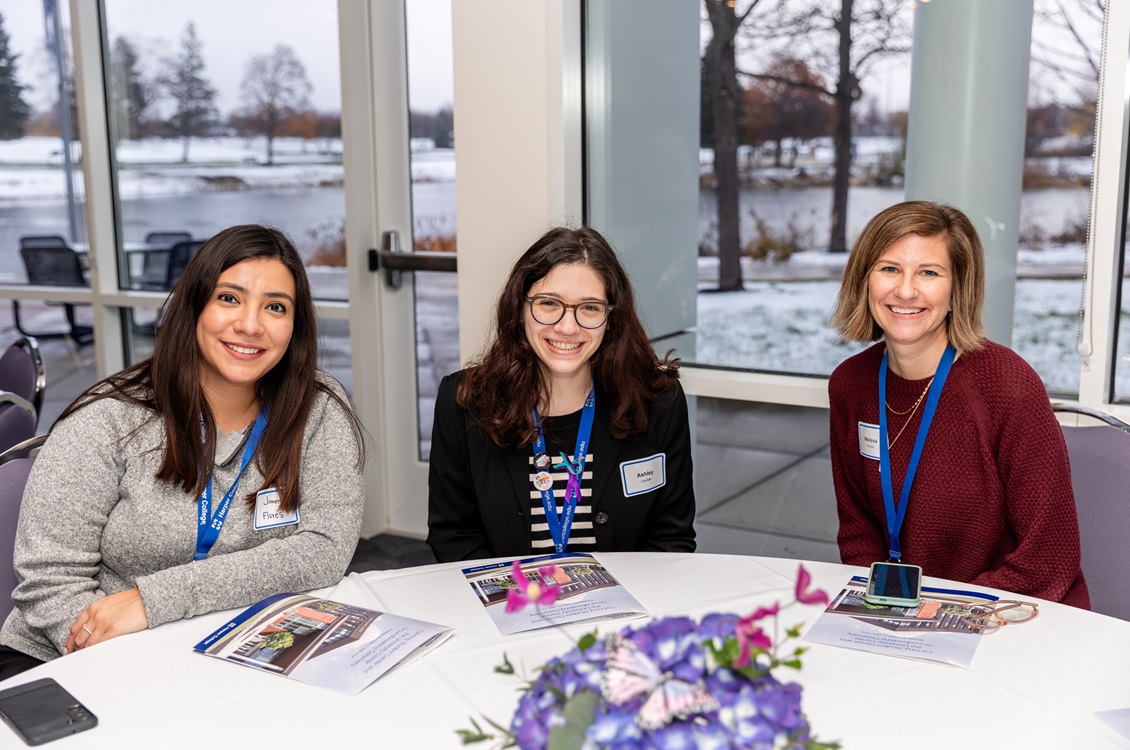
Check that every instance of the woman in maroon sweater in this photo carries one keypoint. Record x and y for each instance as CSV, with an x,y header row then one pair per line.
x,y
990,498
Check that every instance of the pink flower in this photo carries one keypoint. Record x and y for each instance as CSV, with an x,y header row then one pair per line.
x,y
531,592
803,595
752,636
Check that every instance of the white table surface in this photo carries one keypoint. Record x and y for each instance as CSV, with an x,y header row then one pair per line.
x,y
1035,685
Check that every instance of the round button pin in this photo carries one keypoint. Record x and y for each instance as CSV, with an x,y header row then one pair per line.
x,y
543,480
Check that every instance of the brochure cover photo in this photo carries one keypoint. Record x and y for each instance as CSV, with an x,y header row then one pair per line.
x,y
586,592
322,642
932,630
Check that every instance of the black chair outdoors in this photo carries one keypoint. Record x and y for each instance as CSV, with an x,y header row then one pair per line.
x,y
157,265
50,261
1100,474
22,373
179,256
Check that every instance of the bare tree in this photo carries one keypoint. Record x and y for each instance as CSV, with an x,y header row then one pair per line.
x,y
720,85
840,41
193,96
275,87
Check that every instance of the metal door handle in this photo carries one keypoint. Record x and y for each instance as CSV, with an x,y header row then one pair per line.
x,y
394,262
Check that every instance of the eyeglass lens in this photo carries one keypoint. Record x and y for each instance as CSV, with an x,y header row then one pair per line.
x,y
549,311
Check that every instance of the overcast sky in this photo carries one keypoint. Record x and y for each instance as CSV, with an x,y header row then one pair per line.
x,y
232,31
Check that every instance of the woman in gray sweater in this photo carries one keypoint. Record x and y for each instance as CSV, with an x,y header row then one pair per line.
x,y
223,469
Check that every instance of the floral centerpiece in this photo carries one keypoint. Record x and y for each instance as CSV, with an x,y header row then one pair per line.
x,y
673,683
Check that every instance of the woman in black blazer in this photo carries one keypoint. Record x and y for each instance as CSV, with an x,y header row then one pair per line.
x,y
570,433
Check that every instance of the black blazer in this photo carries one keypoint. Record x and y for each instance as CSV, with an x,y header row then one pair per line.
x,y
478,493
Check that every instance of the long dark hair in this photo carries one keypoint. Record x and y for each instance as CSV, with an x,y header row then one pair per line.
x,y
501,388
168,382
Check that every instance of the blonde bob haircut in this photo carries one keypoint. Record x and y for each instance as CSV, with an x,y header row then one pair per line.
x,y
852,313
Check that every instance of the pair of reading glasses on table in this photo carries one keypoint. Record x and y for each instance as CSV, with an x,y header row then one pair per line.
x,y
989,618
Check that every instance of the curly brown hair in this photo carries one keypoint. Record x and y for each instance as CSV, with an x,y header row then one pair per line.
x,y
501,388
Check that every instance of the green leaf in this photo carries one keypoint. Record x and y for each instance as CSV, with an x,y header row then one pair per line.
x,y
505,667
579,712
794,631
469,737
794,663
587,641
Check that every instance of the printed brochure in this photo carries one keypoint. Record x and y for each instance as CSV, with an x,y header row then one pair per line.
x,y
929,631
588,592
322,642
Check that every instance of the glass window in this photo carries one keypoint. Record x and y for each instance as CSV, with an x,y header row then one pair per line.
x,y
430,96
790,173
225,114
42,220
1062,90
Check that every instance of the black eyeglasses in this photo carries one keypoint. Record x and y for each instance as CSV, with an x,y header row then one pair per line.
x,y
549,311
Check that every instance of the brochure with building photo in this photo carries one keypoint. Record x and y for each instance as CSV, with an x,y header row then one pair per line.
x,y
322,642
929,631
588,592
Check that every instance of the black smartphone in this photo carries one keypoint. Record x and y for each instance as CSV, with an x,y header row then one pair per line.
x,y
894,584
42,711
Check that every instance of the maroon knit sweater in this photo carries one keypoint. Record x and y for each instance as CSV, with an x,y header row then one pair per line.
x,y
992,501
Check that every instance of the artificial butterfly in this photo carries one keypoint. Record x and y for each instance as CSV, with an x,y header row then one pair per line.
x,y
630,673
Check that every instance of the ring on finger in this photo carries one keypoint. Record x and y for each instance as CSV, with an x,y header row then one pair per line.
x,y
88,630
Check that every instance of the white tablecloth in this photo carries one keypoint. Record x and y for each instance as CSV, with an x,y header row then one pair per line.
x,y
1035,685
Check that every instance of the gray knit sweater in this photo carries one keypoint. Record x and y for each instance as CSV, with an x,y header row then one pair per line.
x,y
94,522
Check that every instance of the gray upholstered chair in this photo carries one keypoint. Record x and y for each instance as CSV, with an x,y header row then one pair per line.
x,y
17,420
1100,476
22,373
13,477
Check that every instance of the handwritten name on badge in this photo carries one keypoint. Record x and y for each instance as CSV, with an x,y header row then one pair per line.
x,y
644,474
268,514
869,440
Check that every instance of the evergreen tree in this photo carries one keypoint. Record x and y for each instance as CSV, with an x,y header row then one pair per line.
x,y
13,108
131,92
194,97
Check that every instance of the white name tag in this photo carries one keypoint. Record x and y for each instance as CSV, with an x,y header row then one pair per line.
x,y
644,474
869,440
268,514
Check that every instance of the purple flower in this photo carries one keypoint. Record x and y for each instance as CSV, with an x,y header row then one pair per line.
x,y
754,713
803,595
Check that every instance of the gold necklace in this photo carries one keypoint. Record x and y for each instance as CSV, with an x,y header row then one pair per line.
x,y
916,403
909,419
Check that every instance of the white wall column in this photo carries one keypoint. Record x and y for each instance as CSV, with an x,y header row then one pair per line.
x,y
517,139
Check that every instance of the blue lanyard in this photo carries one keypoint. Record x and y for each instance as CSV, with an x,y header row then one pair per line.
x,y
560,526
209,524
894,520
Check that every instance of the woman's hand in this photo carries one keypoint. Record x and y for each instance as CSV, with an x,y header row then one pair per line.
x,y
109,617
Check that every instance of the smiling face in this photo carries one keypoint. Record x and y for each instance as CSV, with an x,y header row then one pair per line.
x,y
245,328
908,293
565,348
